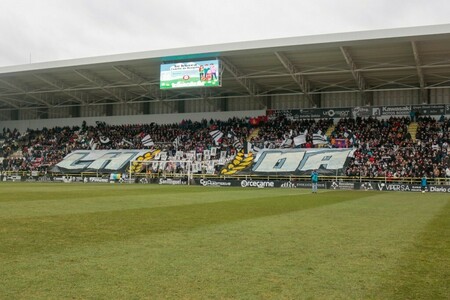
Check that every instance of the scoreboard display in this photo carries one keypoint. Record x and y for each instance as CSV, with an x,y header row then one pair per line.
x,y
203,73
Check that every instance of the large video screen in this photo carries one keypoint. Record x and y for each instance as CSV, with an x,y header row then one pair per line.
x,y
190,74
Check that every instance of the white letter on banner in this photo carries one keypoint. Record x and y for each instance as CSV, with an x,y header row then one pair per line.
x,y
277,161
332,160
74,161
112,161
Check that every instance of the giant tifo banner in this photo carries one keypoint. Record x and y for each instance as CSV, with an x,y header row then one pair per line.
x,y
266,162
102,161
291,162
362,111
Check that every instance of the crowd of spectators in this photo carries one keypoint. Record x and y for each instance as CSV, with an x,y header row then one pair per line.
x,y
279,132
41,149
373,133
383,147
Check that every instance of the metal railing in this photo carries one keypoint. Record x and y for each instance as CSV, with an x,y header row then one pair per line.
x,y
293,178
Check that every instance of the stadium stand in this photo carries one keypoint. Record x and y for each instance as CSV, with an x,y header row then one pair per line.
x,y
384,147
40,149
378,92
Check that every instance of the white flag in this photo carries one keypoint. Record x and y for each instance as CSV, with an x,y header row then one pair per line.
x,y
217,136
92,144
104,139
252,148
176,142
319,139
125,141
163,155
147,141
300,139
286,143
237,144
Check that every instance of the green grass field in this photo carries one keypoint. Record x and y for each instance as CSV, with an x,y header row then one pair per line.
x,y
89,241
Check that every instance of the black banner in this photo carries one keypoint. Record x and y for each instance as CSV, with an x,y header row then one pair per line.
x,y
341,185
173,181
426,110
242,183
403,110
361,111
249,183
330,185
311,113
217,182
13,178
299,185
401,187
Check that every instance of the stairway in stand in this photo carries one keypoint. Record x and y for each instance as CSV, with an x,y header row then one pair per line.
x,y
253,134
412,129
330,130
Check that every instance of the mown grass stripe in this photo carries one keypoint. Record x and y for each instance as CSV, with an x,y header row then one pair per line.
x,y
152,196
16,192
275,247
55,233
423,272
337,251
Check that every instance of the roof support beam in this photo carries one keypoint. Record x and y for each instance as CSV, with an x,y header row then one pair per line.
x,y
103,85
301,80
24,89
346,71
139,80
248,84
360,82
69,89
77,95
8,102
418,65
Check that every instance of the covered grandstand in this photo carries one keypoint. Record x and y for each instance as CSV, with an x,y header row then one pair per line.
x,y
383,93
402,66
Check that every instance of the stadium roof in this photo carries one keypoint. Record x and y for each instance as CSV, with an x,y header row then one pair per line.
x,y
392,59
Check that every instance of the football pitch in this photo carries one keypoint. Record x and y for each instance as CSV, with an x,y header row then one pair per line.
x,y
120,241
